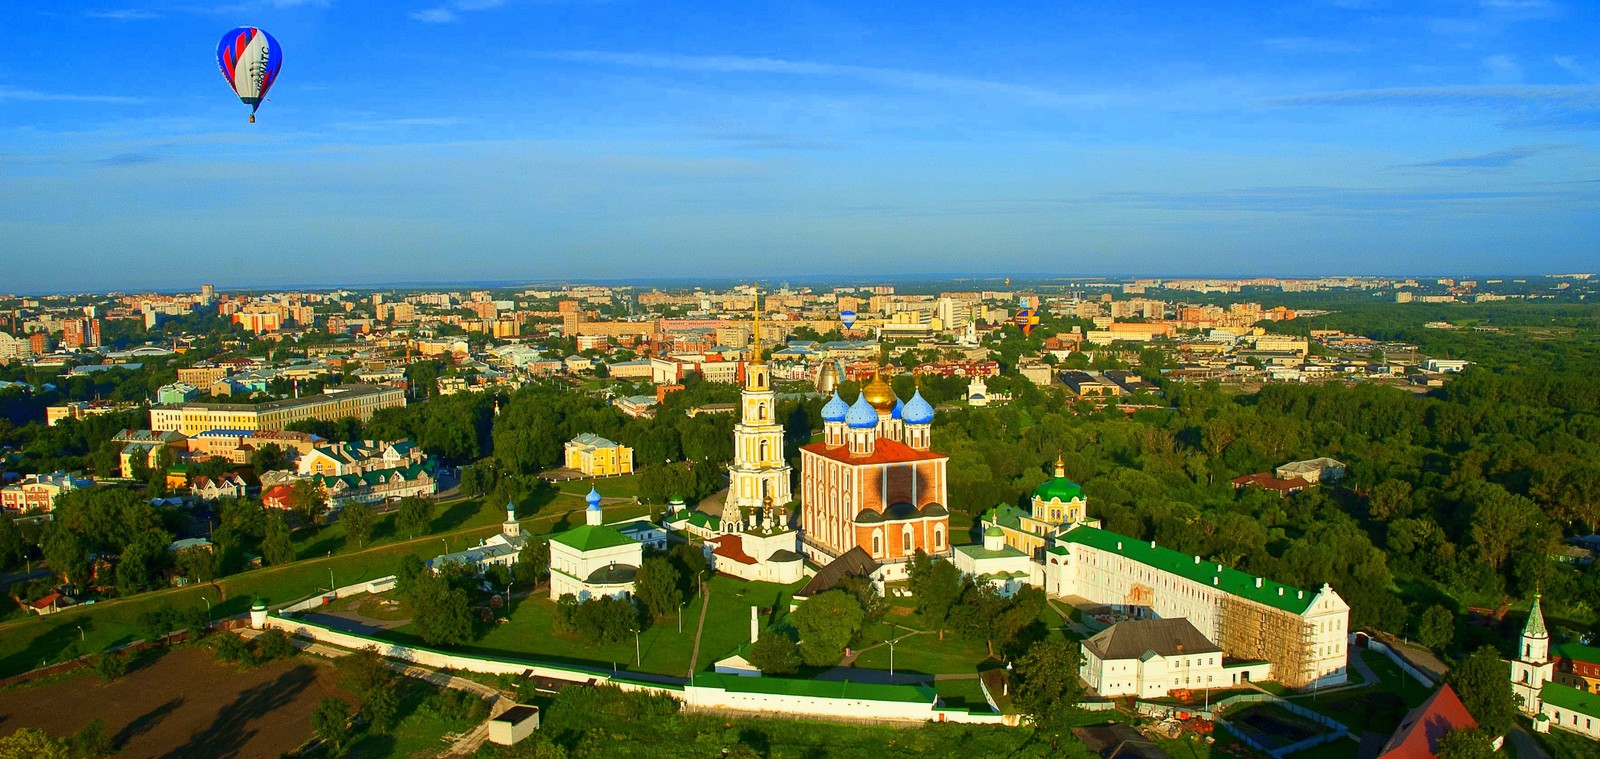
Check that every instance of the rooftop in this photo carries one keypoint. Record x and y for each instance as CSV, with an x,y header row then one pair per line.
x,y
885,451
1233,581
1167,637
592,537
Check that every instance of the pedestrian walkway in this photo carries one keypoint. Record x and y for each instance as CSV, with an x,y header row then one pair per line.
x,y
694,658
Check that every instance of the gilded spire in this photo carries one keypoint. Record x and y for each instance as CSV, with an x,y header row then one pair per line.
x,y
755,339
1061,466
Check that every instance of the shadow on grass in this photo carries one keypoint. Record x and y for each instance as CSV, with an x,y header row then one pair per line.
x,y
456,514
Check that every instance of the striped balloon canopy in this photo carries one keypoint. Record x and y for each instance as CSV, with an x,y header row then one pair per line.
x,y
249,59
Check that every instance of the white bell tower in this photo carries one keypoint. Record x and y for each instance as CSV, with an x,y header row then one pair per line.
x,y
1532,668
759,474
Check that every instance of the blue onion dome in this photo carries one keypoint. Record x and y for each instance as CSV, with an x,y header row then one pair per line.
x,y
918,410
835,409
593,498
861,415
511,507
899,408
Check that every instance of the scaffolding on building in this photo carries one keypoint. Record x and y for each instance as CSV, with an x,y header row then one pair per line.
x,y
1255,632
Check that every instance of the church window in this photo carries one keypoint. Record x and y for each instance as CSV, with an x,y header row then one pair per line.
x,y
877,544
938,538
905,540
761,411
764,445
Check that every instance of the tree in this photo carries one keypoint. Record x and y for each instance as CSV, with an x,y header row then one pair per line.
x,y
363,672
411,567
68,555
533,562
231,648
155,624
110,665
268,458
1483,681
91,740
331,722
32,743
1438,627
381,707
357,519
1047,682
11,546
199,564
273,644
657,587
415,516
775,653
827,623
277,547
936,585
1466,743
442,614
307,499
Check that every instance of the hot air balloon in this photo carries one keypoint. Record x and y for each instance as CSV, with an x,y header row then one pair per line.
x,y
1025,320
848,317
249,59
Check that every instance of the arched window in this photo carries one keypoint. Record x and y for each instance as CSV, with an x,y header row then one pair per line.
x,y
938,538
877,544
906,544
763,446
761,411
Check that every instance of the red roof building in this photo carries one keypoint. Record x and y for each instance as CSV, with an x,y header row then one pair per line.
x,y
1419,733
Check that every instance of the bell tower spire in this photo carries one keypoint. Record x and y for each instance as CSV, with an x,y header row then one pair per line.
x,y
755,337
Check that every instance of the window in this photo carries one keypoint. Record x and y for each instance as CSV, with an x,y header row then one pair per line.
x,y
938,538
877,544
906,543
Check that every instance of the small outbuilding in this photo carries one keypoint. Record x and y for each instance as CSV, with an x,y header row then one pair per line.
x,y
514,724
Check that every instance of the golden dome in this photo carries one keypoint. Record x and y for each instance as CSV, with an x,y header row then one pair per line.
x,y
879,394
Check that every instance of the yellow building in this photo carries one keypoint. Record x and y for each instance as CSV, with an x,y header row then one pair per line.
x,y
596,456
333,404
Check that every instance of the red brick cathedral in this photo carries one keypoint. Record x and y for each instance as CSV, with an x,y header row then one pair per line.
x,y
873,482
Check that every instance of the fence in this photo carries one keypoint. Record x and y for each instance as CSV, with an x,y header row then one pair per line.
x,y
1399,661
322,599
1336,729
710,698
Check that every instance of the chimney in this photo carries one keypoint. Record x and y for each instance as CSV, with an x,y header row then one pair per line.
x,y
1280,591
1197,560
1119,545
755,626
1258,582
1152,544
1215,581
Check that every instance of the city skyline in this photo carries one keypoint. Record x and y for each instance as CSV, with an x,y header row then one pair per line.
x,y
486,140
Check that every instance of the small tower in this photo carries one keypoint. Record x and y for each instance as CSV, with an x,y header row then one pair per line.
x,y
862,419
918,420
593,516
1533,667
511,528
833,427
994,538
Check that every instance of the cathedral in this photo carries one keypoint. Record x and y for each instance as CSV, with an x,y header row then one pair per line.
x,y
873,481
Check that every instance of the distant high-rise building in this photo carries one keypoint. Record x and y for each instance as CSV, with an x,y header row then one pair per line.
x,y
80,333
208,294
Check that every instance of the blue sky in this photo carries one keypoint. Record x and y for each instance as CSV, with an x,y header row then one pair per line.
x,y
517,139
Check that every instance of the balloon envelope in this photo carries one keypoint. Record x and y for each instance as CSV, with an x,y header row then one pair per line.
x,y
848,317
249,59
1025,321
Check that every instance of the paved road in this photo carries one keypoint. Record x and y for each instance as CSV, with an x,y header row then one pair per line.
x,y
1524,745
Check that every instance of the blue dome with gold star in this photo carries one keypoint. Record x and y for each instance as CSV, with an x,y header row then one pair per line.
x,y
835,409
918,410
861,415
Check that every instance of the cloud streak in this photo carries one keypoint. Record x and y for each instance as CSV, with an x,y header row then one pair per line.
x,y
11,93
1521,105
1498,159
891,77
450,12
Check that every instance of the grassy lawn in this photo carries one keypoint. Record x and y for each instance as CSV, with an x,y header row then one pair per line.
x,y
1395,681
662,650
963,694
927,654
621,486
1564,745
314,542
34,642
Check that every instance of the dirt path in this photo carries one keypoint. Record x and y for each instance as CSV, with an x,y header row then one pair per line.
x,y
694,658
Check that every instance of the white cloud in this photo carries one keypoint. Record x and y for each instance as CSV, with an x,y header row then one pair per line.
x,y
126,14
450,12
9,93
1502,69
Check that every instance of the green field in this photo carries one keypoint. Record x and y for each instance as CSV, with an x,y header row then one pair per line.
x,y
621,486
963,694
35,642
661,650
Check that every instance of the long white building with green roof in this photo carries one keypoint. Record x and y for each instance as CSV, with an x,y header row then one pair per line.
x,y
1303,634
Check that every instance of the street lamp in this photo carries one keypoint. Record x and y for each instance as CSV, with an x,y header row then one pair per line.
x,y
636,657
680,616
80,634
509,583
891,652
208,610
331,586
446,543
